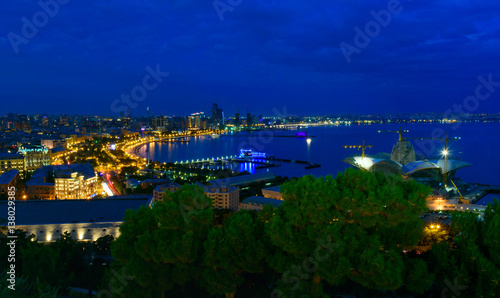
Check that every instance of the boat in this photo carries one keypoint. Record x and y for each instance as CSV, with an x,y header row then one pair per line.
x,y
215,136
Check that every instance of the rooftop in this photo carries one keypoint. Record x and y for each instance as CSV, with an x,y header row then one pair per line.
x,y
83,168
74,211
161,188
261,201
7,177
273,188
5,155
39,177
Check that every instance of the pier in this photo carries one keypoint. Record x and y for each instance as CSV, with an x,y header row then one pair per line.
x,y
261,163
484,191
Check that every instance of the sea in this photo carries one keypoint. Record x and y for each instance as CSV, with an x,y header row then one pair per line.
x,y
475,143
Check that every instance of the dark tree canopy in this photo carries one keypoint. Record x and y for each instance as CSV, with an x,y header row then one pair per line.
x,y
352,227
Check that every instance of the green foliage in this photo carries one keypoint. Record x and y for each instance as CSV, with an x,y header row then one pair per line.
x,y
40,261
25,288
161,247
232,250
353,227
103,244
474,265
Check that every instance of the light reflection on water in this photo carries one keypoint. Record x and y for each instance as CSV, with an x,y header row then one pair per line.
x,y
326,148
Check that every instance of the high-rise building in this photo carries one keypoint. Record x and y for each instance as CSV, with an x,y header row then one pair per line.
x,y
196,120
249,120
237,119
217,116
179,123
160,123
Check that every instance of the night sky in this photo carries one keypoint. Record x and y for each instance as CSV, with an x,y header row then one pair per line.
x,y
260,54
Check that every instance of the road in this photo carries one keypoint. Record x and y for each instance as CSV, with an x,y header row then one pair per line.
x,y
107,180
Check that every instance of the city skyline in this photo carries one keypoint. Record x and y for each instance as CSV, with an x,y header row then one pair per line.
x,y
309,58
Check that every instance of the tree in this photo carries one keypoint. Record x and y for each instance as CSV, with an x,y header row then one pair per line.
x,y
353,227
103,244
25,288
473,267
40,262
233,250
161,248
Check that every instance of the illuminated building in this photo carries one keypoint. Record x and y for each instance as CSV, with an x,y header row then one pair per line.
x,y
273,192
160,123
50,144
12,161
35,156
403,162
85,220
63,182
197,121
223,197
76,181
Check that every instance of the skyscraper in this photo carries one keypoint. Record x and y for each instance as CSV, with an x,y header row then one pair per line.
x,y
216,116
237,119
249,120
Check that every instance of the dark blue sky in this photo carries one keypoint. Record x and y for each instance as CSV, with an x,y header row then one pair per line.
x,y
263,54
